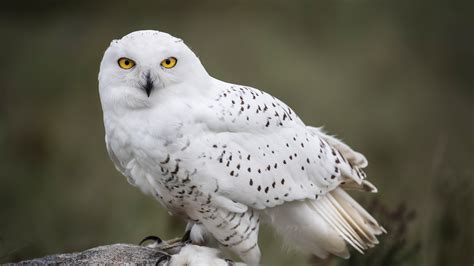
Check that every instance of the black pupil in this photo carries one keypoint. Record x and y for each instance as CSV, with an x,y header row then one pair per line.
x,y
168,61
127,62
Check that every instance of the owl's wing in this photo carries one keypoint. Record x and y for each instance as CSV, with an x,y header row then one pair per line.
x,y
265,170
262,155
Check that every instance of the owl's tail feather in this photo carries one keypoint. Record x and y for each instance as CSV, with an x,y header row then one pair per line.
x,y
350,220
324,225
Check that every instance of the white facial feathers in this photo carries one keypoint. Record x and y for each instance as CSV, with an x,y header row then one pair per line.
x,y
138,86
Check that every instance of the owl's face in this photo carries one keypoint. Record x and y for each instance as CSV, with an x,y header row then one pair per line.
x,y
136,69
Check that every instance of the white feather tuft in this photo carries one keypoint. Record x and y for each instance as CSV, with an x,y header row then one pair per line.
x,y
193,255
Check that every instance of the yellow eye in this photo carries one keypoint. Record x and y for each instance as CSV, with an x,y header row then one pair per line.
x,y
169,62
126,63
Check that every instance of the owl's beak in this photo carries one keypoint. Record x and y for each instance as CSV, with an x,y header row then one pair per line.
x,y
147,85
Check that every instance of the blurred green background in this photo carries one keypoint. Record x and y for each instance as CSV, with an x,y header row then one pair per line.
x,y
391,78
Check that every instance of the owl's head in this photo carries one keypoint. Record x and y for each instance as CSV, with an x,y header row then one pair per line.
x,y
136,69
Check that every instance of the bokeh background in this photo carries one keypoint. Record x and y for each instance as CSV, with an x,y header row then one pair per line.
x,y
391,78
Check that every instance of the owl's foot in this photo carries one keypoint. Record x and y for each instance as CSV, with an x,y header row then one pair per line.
x,y
195,255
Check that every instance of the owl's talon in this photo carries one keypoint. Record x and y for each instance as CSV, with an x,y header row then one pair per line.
x,y
156,240
162,260
187,237
229,262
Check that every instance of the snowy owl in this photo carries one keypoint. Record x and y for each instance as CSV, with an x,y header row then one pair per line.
x,y
226,157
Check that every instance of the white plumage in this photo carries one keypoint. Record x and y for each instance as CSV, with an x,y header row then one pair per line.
x,y
223,156
193,255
